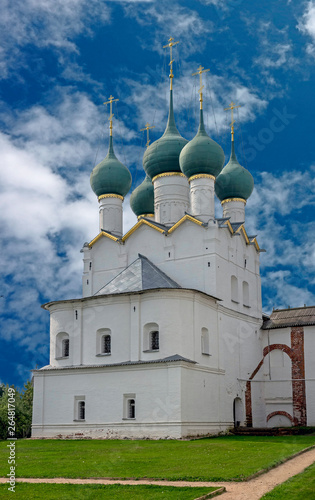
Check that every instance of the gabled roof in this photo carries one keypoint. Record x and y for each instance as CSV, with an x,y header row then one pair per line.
x,y
298,316
142,274
239,228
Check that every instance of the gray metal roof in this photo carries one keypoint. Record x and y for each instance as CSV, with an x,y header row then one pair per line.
x,y
142,274
169,359
299,316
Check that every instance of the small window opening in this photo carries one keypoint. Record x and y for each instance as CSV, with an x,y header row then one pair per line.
x,y
245,262
208,264
65,348
154,341
90,266
131,408
81,410
106,344
76,314
169,254
87,282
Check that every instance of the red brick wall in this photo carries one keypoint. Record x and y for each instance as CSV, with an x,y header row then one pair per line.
x,y
298,373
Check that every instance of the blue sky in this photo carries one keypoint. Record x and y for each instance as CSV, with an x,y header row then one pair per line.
x,y
61,59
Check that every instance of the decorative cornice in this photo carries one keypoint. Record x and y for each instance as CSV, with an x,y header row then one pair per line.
x,y
183,219
201,176
233,199
168,174
111,196
103,233
139,223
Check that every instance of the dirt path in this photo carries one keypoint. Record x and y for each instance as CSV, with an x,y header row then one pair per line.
x,y
248,490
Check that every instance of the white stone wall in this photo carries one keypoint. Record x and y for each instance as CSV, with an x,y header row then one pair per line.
x,y
203,258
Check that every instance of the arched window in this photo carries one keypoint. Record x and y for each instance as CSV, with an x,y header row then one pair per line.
x,y
62,345
245,294
131,408
234,289
151,337
103,342
79,407
205,347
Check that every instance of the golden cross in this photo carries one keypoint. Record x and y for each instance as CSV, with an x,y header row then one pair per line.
x,y
147,128
110,102
199,72
171,44
231,107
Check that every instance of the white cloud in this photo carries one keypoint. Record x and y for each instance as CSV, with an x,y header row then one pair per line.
x,y
307,26
274,213
151,102
275,48
45,24
186,25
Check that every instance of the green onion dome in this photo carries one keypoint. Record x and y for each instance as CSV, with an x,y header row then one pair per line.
x,y
234,181
142,198
201,155
110,176
163,155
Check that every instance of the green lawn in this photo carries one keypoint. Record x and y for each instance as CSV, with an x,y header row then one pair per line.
x,y
300,487
216,459
108,492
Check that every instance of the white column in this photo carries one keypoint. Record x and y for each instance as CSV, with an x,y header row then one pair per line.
x,y
111,214
235,209
171,197
202,196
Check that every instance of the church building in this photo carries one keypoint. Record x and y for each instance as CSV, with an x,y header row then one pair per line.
x,y
169,339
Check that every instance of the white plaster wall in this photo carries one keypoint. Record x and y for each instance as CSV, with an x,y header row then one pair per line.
x,y
158,412
184,255
179,314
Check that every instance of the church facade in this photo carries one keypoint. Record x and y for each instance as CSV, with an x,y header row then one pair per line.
x,y
169,339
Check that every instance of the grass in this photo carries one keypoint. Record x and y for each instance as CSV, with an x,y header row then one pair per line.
x,y
108,492
299,487
224,458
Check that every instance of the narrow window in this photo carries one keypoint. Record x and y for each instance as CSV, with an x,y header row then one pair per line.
x,y
65,348
154,341
131,408
106,344
90,266
245,294
151,340
81,410
234,289
205,344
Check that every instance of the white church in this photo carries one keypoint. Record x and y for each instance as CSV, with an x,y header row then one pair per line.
x,y
169,339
